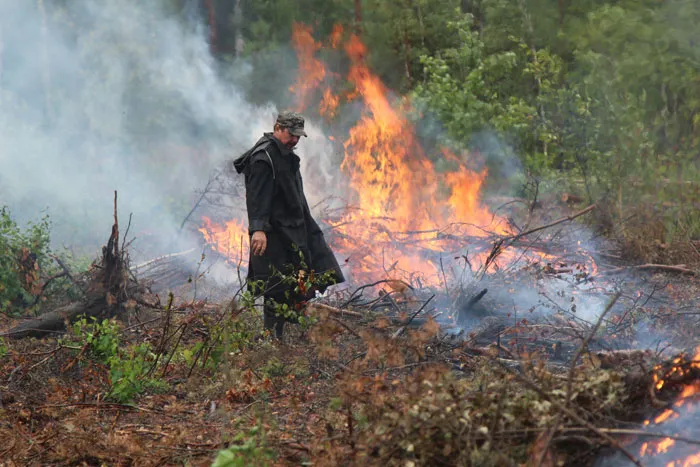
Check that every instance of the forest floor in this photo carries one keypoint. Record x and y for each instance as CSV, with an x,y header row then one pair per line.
x,y
376,376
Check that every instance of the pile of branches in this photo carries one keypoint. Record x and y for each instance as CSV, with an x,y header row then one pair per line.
x,y
426,399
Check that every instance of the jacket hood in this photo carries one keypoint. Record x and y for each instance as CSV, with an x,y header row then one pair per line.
x,y
242,162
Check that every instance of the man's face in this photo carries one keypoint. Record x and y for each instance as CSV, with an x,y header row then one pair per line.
x,y
287,138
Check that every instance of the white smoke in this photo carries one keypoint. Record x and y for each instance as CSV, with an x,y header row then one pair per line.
x,y
120,95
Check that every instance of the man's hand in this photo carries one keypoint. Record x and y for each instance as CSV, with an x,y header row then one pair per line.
x,y
258,243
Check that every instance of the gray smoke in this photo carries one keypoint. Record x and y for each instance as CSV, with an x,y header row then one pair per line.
x,y
121,95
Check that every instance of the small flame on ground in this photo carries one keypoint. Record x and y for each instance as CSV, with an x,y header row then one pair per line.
x,y
230,239
685,405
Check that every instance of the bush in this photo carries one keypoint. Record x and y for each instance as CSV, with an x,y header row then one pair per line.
x,y
25,253
130,369
250,452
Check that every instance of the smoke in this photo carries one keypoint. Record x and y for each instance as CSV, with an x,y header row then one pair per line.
x,y
121,95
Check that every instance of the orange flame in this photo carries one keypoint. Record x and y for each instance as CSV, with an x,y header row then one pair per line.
x,y
312,71
329,104
230,239
688,393
403,215
397,189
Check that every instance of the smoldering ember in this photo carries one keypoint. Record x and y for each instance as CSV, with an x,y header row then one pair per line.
x,y
510,190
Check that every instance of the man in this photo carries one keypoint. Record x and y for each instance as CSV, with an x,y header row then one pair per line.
x,y
284,238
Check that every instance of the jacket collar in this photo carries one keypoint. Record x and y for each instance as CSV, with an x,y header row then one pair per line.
x,y
284,150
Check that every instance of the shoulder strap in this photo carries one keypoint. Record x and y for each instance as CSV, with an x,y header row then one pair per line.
x,y
262,148
274,176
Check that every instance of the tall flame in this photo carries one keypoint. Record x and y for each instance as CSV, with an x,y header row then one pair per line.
x,y
396,188
401,211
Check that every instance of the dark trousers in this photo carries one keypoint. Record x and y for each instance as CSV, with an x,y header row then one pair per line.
x,y
270,319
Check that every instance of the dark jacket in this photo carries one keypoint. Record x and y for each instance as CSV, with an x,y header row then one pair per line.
x,y
277,205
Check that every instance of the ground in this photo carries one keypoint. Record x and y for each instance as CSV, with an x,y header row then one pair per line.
x,y
360,383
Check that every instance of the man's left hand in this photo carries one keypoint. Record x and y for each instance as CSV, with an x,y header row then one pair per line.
x,y
258,244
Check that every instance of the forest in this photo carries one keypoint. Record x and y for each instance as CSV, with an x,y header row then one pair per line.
x,y
510,187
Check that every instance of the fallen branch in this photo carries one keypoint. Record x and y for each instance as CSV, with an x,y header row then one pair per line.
x,y
552,224
679,268
330,309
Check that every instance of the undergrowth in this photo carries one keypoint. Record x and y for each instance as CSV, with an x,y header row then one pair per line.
x,y
248,449
130,368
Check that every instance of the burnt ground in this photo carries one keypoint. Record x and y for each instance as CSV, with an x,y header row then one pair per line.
x,y
494,384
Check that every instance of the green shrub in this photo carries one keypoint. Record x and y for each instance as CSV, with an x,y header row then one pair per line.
x,y
3,348
250,452
23,255
129,369
129,373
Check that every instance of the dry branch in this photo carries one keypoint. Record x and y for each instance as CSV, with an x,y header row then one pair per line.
x,y
327,308
679,268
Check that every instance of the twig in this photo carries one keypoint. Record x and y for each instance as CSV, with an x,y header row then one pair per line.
x,y
60,262
166,327
115,228
213,178
347,302
48,281
128,226
333,310
444,277
95,405
584,344
570,379
346,327
552,224
403,328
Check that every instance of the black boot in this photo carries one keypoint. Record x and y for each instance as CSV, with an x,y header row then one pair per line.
x,y
272,322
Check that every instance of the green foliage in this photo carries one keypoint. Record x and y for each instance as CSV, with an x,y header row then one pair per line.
x,y
251,451
274,367
130,373
24,254
130,369
3,348
101,338
599,96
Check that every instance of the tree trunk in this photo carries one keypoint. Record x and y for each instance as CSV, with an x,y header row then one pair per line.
x,y
238,25
55,321
407,46
211,10
46,69
358,17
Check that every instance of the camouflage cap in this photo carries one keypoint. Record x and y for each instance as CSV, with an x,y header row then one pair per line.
x,y
292,121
